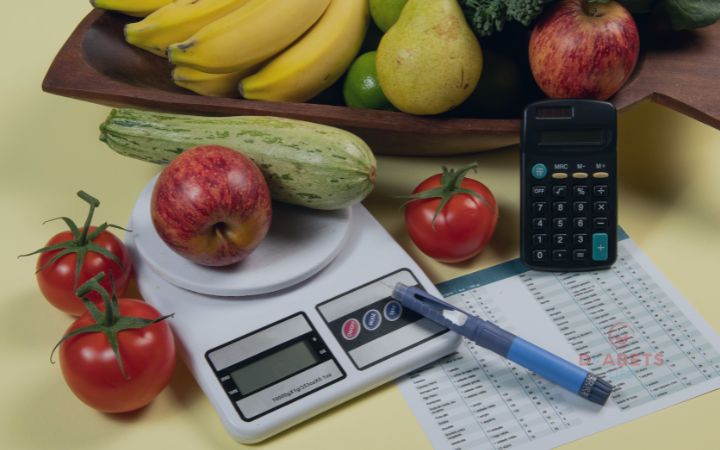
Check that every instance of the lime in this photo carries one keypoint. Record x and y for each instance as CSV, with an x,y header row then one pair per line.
x,y
362,87
386,12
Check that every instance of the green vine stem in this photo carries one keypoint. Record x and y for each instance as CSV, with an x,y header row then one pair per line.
x,y
82,241
450,186
109,321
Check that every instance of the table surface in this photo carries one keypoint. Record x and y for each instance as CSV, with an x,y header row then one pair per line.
x,y
49,150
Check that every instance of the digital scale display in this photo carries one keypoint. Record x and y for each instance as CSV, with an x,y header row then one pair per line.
x,y
274,367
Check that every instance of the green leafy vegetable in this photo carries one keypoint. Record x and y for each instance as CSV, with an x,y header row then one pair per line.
x,y
489,16
688,14
683,14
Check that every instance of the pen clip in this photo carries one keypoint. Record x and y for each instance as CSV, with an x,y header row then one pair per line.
x,y
438,303
433,308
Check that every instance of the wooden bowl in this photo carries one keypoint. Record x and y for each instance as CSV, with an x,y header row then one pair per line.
x,y
97,65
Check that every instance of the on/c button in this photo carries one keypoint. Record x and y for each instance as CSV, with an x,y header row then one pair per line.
x,y
350,329
539,171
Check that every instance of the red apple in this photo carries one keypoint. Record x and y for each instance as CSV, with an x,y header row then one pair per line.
x,y
211,205
583,50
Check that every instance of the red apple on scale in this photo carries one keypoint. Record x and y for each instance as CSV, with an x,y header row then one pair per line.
x,y
211,205
583,50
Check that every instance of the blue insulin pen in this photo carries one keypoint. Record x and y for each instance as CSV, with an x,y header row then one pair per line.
x,y
492,337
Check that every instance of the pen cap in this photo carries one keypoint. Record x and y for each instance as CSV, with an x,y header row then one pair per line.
x,y
596,389
400,291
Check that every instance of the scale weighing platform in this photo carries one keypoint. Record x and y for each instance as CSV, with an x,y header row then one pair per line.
x,y
305,323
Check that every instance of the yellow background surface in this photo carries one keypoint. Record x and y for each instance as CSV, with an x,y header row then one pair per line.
x,y
49,149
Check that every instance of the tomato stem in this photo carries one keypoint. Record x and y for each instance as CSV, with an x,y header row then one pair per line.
x,y
94,203
109,321
451,182
82,241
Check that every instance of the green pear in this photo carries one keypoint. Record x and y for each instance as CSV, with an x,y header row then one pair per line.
x,y
429,61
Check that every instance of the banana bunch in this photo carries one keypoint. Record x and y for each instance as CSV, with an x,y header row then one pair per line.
x,y
276,50
209,84
176,22
315,61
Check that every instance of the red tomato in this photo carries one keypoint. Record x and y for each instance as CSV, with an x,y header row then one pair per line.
x,y
100,252
464,225
92,371
57,280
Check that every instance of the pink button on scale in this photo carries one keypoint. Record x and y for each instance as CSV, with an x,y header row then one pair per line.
x,y
351,329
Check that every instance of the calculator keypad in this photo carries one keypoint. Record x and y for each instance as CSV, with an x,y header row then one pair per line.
x,y
570,216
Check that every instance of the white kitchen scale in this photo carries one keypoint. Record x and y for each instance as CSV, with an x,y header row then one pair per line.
x,y
305,323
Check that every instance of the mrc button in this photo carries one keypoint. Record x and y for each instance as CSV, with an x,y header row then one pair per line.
x,y
392,311
351,329
372,319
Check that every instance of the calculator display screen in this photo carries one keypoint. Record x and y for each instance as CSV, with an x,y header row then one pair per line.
x,y
274,367
572,137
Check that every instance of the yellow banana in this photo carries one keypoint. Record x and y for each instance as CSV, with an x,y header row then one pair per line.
x,y
176,22
137,8
315,61
248,35
209,84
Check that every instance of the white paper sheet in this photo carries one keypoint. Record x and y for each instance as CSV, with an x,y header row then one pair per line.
x,y
627,324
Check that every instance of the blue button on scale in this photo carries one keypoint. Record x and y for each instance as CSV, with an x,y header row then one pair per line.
x,y
392,311
372,319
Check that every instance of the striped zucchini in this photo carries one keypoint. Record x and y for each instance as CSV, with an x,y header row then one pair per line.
x,y
305,164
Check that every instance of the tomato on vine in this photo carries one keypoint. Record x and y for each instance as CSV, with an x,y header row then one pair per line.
x,y
119,355
451,218
74,256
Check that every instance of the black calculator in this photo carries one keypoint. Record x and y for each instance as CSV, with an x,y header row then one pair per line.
x,y
568,198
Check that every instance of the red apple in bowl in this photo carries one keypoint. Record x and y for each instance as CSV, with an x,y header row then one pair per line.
x,y
211,205
583,50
